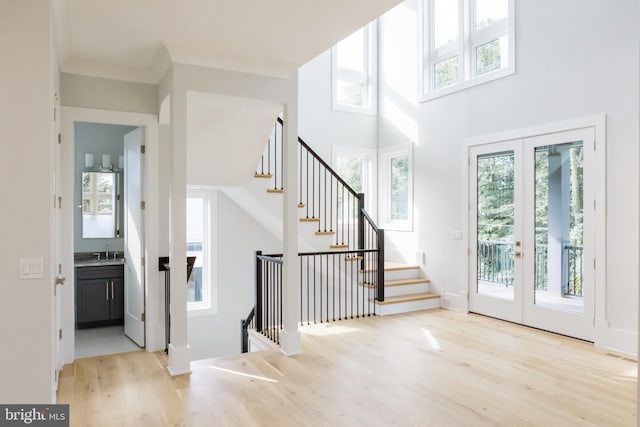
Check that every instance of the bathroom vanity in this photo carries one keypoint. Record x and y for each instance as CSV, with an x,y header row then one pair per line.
x,y
99,293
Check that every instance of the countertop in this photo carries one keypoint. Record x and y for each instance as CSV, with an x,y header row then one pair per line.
x,y
89,260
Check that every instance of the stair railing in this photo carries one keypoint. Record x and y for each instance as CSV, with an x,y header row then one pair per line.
x,y
326,198
245,325
336,284
268,309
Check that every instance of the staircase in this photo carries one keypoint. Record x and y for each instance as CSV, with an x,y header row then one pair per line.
x,y
342,272
405,290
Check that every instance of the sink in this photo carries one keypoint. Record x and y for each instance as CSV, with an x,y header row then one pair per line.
x,y
93,262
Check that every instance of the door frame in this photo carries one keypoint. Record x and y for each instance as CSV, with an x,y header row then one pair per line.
x,y
154,325
598,122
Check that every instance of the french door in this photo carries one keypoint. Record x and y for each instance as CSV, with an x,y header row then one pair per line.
x,y
531,226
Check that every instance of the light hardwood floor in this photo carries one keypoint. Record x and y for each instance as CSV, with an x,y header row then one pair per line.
x,y
435,368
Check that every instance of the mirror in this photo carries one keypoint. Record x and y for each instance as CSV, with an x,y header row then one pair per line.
x,y
100,205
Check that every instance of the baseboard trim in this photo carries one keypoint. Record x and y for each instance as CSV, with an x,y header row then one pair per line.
x,y
619,341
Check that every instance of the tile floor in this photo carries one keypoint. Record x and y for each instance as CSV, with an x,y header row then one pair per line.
x,y
100,341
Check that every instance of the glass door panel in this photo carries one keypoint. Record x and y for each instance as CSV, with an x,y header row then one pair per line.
x,y
495,225
559,228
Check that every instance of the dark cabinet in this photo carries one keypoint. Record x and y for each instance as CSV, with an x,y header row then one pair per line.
x,y
99,295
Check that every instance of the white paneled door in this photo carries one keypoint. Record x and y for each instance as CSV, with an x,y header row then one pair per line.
x,y
531,227
134,280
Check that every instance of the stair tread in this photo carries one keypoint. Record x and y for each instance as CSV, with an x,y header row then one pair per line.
x,y
262,175
325,233
402,282
393,266
408,298
339,246
309,219
275,190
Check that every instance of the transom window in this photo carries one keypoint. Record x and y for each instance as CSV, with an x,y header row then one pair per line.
x,y
354,71
466,42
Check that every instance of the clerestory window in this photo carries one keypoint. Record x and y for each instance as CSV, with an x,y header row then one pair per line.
x,y
465,43
354,71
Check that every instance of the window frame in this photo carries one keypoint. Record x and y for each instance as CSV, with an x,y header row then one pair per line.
x,y
384,168
369,156
369,77
469,39
209,303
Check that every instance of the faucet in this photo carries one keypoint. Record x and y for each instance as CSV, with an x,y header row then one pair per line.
x,y
106,251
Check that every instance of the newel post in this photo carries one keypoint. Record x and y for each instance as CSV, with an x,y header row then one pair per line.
x,y
258,282
380,270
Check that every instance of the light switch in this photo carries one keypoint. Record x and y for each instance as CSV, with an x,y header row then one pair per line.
x,y
31,268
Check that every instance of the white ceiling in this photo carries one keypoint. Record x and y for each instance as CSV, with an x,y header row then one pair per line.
x,y
130,39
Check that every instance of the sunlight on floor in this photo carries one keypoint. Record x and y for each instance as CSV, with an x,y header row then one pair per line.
x,y
431,340
326,329
243,374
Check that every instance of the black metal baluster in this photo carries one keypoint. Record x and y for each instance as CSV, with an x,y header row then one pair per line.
x,y
320,277
301,289
308,309
343,203
275,158
315,302
325,199
307,174
269,155
327,285
280,299
331,203
333,282
313,187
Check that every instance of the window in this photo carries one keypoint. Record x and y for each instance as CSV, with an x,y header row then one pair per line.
x,y
397,176
354,71
357,167
200,292
465,43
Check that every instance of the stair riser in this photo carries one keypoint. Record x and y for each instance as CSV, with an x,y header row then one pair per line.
x,y
416,288
402,274
405,307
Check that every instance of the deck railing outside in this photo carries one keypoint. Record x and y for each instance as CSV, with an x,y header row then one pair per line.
x,y
495,265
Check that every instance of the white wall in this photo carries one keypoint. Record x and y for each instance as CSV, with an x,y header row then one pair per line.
x,y
320,126
26,109
108,94
237,236
573,59
98,139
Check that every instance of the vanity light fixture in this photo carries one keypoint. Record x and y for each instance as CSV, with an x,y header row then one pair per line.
x,y
104,165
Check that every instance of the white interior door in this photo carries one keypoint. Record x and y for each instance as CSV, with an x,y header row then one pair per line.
x,y
57,276
532,231
134,280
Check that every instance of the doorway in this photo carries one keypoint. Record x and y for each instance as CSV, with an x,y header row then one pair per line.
x,y
151,322
108,237
532,231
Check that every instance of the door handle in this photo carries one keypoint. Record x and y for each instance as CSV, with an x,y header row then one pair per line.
x,y
106,286
518,254
60,280
112,286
